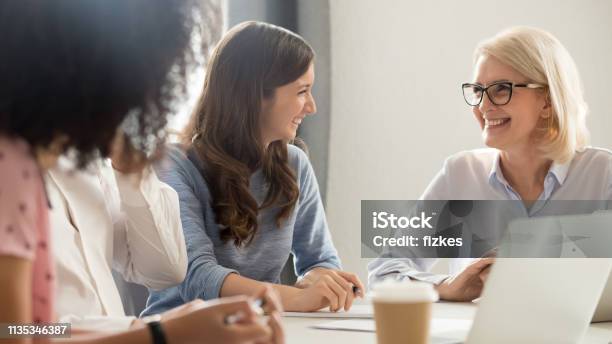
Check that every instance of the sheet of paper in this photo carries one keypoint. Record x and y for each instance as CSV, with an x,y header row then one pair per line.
x,y
356,312
442,330
439,326
359,325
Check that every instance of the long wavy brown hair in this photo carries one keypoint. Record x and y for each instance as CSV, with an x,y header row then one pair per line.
x,y
249,63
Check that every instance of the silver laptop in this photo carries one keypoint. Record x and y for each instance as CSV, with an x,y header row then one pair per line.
x,y
539,300
566,236
603,312
547,300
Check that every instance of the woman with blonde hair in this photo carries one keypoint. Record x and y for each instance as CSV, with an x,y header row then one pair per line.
x,y
527,98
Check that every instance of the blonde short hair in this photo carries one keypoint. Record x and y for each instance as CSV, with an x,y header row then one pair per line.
x,y
541,58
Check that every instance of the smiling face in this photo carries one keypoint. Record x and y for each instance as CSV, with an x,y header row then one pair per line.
x,y
510,127
282,113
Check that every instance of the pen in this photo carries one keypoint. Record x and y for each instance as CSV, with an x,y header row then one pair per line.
x,y
257,306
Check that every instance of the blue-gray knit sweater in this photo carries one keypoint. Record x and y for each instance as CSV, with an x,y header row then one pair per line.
x,y
304,233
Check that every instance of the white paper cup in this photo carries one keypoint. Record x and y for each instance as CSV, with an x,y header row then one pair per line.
x,y
402,311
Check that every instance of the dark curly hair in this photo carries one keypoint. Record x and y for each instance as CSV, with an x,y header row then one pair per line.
x,y
252,60
77,69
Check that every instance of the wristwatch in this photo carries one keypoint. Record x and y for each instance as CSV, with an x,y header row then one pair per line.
x,y
155,328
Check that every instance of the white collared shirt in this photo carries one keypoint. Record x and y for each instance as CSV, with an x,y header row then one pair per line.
x,y
477,175
103,219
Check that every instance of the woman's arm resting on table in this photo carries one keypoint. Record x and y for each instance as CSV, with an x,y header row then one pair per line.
x,y
322,293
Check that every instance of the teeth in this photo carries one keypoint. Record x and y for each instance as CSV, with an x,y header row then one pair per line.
x,y
297,121
495,122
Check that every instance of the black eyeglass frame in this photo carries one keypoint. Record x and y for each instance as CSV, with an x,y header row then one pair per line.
x,y
486,90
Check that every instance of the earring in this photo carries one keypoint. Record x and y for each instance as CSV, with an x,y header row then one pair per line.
x,y
549,123
548,126
550,120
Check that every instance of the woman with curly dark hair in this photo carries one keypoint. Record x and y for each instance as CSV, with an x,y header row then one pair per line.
x,y
249,197
73,72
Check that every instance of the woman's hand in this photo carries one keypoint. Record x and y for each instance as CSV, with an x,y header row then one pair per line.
x,y
271,300
200,321
466,285
322,287
484,274
278,334
272,306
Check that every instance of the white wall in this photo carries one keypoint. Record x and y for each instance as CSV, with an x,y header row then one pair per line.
x,y
397,109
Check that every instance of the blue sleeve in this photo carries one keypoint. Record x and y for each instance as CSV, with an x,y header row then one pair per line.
x,y
390,265
204,276
312,243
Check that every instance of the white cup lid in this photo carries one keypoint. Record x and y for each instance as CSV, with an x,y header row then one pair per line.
x,y
403,291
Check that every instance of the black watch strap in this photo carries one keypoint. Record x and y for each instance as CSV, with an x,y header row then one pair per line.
x,y
157,332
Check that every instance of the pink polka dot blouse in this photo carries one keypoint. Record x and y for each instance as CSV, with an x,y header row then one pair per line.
x,y
24,225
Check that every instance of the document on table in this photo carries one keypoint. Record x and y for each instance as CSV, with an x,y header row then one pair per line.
x,y
438,325
356,312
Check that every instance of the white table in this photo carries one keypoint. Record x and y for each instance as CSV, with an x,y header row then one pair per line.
x,y
298,330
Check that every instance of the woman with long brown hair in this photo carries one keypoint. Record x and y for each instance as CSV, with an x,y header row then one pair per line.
x,y
248,196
